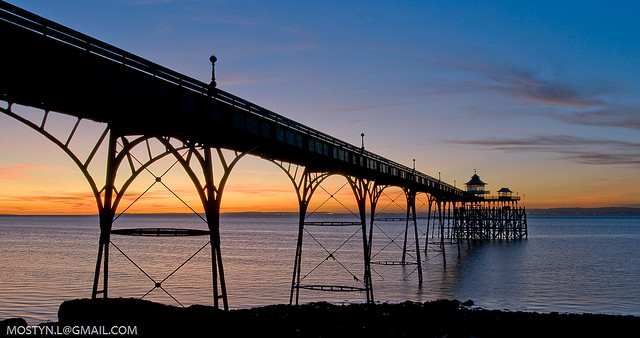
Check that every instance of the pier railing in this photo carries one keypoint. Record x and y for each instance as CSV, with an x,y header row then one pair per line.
x,y
501,198
53,30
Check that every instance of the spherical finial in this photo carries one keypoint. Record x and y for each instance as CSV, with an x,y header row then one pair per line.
x,y
213,59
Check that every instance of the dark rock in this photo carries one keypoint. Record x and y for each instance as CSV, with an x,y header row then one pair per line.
x,y
431,319
468,303
11,322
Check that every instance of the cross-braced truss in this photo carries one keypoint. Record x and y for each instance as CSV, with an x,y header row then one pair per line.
x,y
210,192
122,169
387,254
306,182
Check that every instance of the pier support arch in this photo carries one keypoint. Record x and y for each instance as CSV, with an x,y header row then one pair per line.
x,y
411,217
109,195
305,183
363,189
210,191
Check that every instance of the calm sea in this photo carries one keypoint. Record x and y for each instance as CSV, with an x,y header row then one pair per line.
x,y
568,264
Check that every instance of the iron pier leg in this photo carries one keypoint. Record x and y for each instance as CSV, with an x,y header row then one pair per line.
x,y
411,214
295,280
96,276
360,189
305,187
305,183
210,194
374,197
211,203
457,226
406,229
106,221
415,232
441,218
217,270
106,213
426,241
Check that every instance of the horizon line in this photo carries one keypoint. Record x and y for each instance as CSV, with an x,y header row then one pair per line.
x,y
320,213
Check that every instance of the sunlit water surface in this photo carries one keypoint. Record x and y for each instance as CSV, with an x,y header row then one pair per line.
x,y
568,264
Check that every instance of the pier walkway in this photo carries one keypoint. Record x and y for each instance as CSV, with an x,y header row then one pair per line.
x,y
54,69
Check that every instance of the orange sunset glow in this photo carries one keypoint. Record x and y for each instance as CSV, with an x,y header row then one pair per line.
x,y
41,180
558,128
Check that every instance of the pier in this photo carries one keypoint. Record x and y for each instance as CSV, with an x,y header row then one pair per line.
x,y
148,112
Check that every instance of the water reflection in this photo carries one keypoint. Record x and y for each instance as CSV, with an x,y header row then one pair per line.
x,y
567,265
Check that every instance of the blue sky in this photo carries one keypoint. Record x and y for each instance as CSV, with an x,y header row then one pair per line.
x,y
540,96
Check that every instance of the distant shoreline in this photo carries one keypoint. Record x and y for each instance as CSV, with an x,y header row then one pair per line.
x,y
537,211
585,211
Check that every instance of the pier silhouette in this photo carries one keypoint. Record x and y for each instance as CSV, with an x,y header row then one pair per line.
x,y
55,69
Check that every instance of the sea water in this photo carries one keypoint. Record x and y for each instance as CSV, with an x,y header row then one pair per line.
x,y
568,263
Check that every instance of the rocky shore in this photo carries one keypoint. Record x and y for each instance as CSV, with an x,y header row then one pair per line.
x,y
444,318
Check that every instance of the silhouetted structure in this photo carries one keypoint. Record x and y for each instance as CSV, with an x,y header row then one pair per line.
x,y
139,103
490,217
476,186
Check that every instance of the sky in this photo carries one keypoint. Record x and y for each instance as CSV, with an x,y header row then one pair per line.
x,y
541,97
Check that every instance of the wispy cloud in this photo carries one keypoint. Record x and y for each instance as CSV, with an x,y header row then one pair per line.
x,y
621,117
578,149
529,86
589,103
23,171
62,201
357,122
